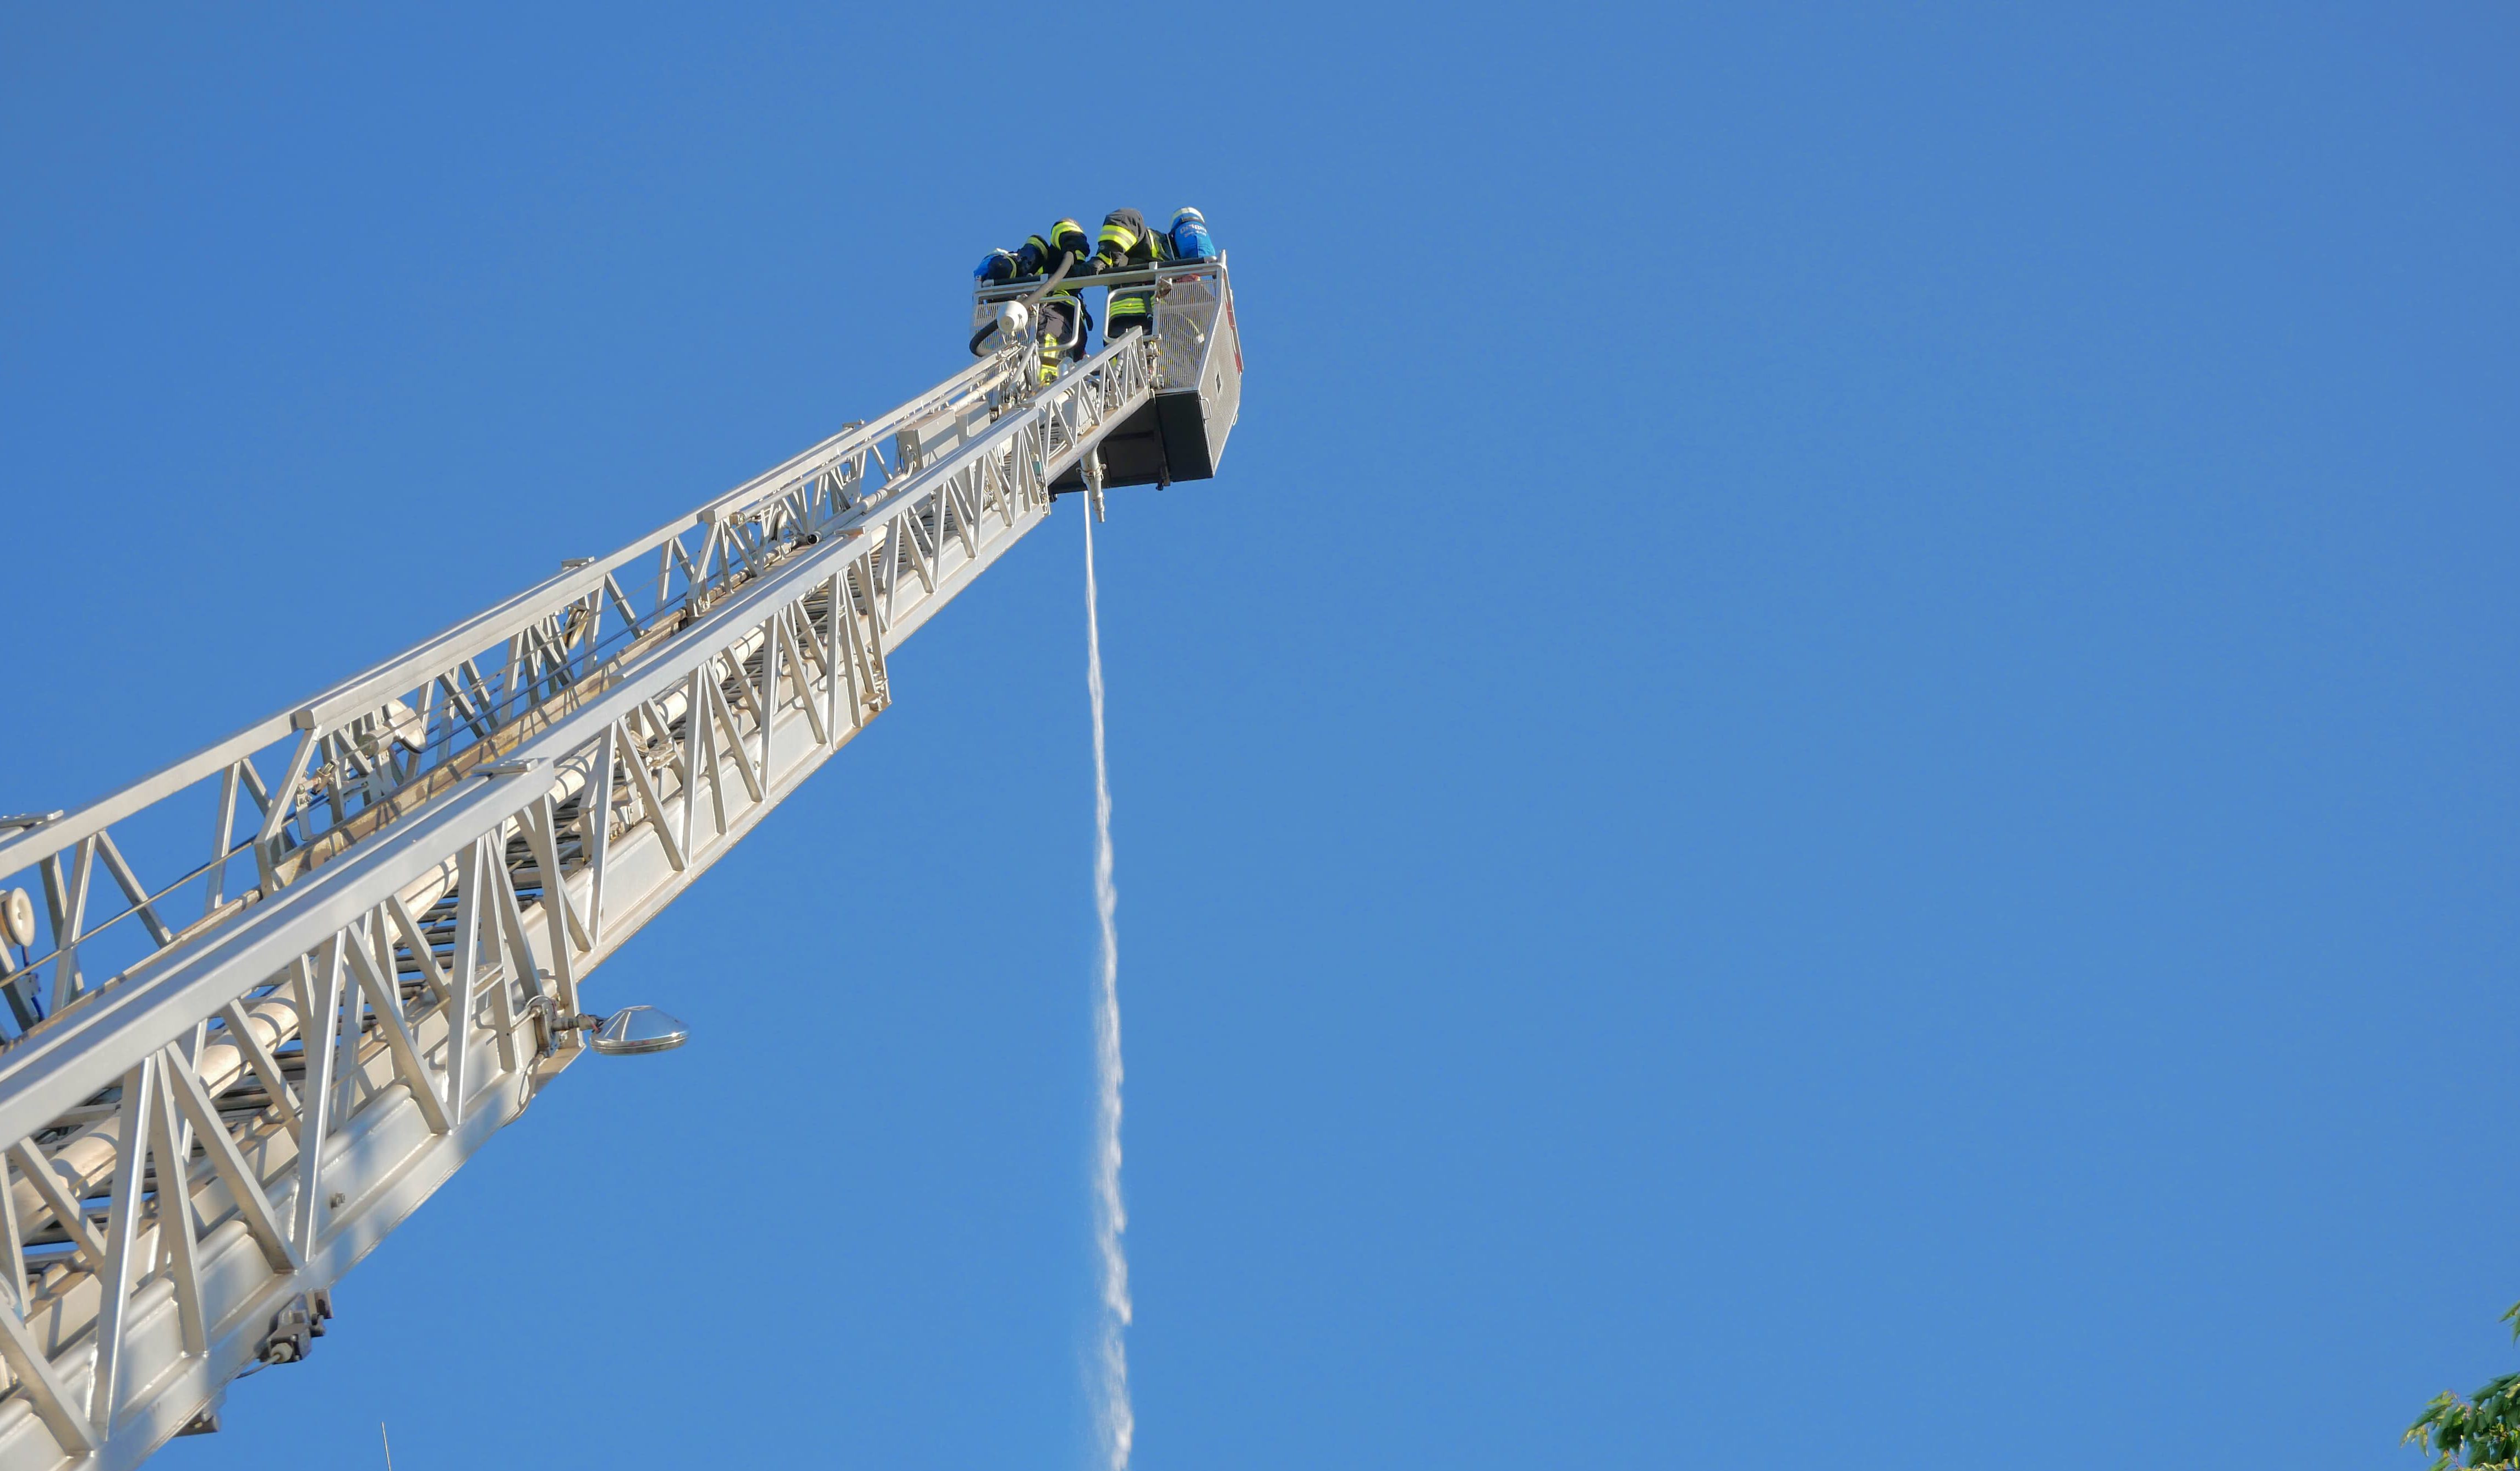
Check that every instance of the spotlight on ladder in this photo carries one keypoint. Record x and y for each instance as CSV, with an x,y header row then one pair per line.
x,y
633,1030
16,917
630,1031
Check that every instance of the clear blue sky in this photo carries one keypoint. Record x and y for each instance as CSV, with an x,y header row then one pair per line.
x,y
1831,778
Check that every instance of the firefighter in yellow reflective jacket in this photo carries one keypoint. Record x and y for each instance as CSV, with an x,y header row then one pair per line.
x,y
1127,245
1064,319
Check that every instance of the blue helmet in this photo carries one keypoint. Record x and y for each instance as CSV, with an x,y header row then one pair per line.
x,y
1191,240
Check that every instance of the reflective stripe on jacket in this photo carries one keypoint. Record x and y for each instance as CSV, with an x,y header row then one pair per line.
x,y
1127,243
1042,253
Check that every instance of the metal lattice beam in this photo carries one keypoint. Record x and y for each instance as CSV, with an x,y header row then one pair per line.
x,y
203,1141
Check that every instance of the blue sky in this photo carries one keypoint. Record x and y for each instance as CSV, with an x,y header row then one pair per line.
x,y
1829,778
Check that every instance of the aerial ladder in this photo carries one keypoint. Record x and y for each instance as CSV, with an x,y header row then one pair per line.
x,y
229,1068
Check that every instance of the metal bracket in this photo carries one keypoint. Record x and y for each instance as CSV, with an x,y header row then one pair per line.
x,y
556,1026
295,1327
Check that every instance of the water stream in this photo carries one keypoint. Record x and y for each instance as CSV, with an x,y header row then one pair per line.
x,y
1114,1417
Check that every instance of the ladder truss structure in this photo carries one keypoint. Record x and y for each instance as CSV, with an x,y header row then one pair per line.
x,y
267,998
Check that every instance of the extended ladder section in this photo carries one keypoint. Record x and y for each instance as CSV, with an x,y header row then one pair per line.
x,y
264,1001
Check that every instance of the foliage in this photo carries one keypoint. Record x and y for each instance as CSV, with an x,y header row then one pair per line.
x,y
2482,1431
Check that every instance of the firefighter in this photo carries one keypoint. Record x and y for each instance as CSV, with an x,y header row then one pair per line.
x,y
1065,321
1000,266
1189,238
1127,244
